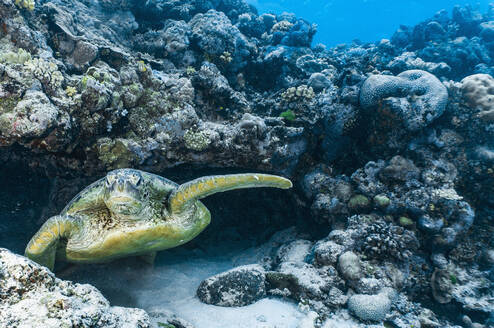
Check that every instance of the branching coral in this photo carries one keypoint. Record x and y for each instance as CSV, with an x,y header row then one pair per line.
x,y
19,57
300,93
379,239
46,72
26,4
282,26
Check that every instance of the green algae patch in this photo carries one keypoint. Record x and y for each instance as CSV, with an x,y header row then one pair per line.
x,y
358,202
405,221
288,115
115,153
7,104
381,201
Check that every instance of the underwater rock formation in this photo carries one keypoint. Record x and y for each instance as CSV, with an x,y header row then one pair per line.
x,y
241,286
31,296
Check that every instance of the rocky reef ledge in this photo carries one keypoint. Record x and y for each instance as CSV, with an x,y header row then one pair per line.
x,y
31,296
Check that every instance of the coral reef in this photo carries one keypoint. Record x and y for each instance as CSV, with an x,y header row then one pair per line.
x,y
32,296
390,145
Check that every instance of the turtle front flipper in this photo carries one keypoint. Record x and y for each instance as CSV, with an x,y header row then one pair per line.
x,y
205,186
42,248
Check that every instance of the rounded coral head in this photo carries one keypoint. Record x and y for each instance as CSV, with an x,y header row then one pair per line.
x,y
124,191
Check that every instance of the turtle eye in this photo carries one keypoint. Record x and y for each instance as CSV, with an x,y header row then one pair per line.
x,y
110,179
135,179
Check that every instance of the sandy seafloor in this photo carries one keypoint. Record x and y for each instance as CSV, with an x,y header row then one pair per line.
x,y
171,284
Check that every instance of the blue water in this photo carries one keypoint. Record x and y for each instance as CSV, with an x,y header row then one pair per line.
x,y
341,21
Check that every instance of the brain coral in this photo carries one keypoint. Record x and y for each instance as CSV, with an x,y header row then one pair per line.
x,y
478,91
422,97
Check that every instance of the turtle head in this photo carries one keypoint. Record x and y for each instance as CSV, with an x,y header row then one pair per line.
x,y
123,192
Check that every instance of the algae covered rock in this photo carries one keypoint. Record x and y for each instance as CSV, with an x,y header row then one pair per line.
x,y
301,281
221,42
31,296
117,153
478,89
296,251
326,252
33,116
390,143
240,286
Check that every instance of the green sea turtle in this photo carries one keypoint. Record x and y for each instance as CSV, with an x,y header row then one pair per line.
x,y
133,213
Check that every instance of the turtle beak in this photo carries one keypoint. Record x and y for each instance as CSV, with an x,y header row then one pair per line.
x,y
120,185
121,199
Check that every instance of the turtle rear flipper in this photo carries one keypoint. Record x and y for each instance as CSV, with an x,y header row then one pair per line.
x,y
42,248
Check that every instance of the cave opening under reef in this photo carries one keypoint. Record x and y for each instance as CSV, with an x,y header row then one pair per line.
x,y
29,197
242,221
